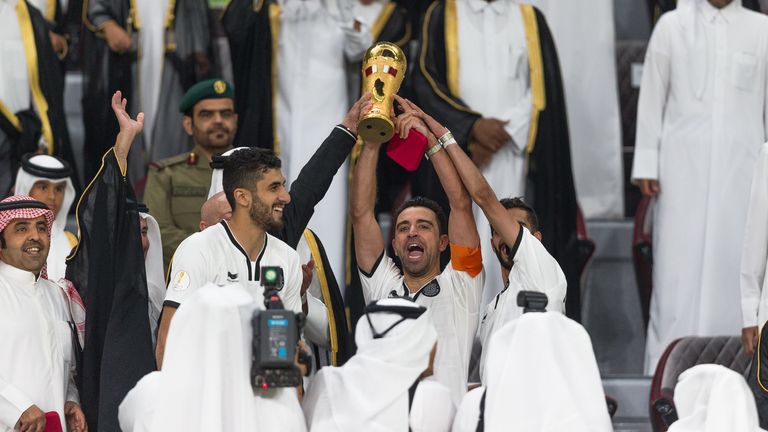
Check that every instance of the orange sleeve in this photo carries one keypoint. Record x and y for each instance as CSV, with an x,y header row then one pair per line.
x,y
467,259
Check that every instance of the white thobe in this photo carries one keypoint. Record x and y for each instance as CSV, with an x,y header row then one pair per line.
x,y
312,97
152,14
701,121
14,82
754,253
366,14
494,81
45,6
37,363
585,40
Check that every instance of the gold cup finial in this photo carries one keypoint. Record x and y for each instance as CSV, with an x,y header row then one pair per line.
x,y
383,72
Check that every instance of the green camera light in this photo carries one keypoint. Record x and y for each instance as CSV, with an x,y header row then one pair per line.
x,y
270,276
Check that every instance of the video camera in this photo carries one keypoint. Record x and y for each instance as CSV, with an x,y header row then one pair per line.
x,y
532,301
276,333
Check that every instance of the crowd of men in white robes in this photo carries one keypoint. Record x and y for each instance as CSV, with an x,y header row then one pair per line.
x,y
702,118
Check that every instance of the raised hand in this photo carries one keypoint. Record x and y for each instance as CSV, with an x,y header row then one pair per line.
x,y
363,105
129,128
127,124
434,126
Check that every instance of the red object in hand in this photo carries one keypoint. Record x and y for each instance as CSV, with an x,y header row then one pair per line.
x,y
408,152
52,422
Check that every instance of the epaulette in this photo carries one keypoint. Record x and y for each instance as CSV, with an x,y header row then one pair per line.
x,y
173,160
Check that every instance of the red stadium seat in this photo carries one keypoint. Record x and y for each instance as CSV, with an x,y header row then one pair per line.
x,y
683,354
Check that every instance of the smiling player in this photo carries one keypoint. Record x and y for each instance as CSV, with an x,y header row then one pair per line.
x,y
233,251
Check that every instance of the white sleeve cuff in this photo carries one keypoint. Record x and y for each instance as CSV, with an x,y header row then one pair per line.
x,y
645,164
749,313
13,403
316,329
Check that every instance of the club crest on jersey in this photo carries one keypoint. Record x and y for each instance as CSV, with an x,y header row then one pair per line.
x,y
431,290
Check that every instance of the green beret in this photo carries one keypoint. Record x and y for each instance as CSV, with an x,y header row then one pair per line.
x,y
208,89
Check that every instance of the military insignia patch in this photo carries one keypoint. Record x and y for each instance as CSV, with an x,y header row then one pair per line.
x,y
219,86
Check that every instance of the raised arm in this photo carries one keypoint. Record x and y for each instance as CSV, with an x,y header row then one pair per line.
x,y
369,242
129,129
462,229
474,182
316,176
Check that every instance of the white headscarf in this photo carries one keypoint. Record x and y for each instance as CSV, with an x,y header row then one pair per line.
x,y
713,398
60,245
543,376
217,177
153,264
205,381
370,392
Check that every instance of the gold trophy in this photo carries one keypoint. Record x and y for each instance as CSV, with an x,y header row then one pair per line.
x,y
383,72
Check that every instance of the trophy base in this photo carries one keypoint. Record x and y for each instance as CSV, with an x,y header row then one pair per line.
x,y
376,128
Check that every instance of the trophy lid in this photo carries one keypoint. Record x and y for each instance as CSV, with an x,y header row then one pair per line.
x,y
385,49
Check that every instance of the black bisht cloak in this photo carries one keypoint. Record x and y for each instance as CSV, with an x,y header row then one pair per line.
x,y
550,188
51,79
108,270
758,376
251,47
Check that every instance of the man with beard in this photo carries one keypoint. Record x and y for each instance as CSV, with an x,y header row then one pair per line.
x,y
177,186
37,365
420,227
234,251
525,263
525,266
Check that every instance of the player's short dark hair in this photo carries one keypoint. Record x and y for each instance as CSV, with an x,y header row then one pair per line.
x,y
2,240
530,214
244,168
442,219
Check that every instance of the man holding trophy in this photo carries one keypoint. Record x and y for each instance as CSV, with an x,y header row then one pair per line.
x,y
421,231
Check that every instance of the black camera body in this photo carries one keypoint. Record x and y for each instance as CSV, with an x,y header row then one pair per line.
x,y
276,333
532,301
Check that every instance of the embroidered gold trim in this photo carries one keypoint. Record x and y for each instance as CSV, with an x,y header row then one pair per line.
x,y
28,40
536,70
309,236
274,27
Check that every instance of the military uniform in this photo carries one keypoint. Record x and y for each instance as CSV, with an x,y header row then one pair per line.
x,y
176,189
